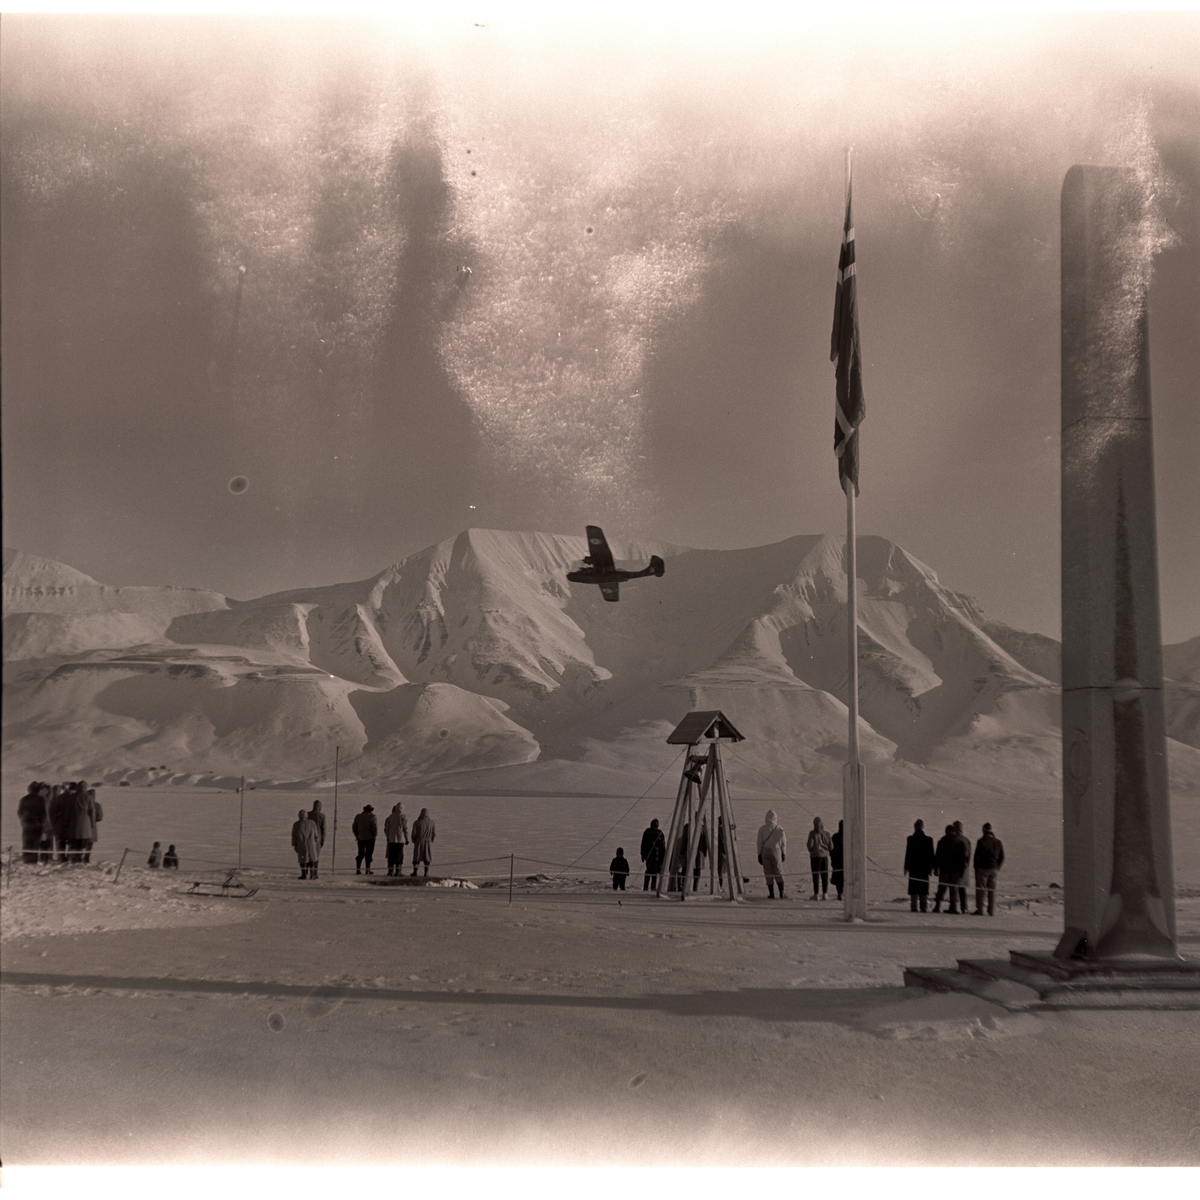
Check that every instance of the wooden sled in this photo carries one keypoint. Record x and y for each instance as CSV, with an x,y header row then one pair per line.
x,y
232,889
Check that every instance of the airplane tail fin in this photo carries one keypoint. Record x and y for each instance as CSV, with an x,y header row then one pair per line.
x,y
657,565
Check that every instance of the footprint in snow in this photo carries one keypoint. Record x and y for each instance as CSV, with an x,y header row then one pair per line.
x,y
638,1080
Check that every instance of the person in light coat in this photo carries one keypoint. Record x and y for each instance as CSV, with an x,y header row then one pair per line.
x,y
395,828
820,847
423,833
306,841
97,816
771,844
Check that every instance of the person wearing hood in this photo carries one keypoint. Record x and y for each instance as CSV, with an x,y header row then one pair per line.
x,y
820,846
395,829
919,860
653,852
837,858
156,856
619,869
317,817
772,853
306,841
35,822
366,830
423,833
171,859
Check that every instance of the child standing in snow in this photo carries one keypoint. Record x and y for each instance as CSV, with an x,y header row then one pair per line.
x,y
620,869
155,859
171,859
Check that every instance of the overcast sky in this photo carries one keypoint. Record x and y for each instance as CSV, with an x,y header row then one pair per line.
x,y
650,213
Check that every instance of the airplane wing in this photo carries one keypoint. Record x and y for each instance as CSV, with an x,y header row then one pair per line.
x,y
598,549
610,591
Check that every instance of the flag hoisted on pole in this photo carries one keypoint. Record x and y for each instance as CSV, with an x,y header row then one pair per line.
x,y
849,411
844,350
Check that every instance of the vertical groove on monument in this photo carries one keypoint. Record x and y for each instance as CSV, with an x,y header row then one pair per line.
x,y
1119,894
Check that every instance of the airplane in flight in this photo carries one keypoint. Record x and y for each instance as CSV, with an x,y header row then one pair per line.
x,y
600,569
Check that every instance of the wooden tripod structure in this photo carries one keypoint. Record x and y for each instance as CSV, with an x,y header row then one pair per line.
x,y
702,811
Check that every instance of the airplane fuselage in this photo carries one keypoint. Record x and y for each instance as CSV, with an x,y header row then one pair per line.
x,y
600,575
598,567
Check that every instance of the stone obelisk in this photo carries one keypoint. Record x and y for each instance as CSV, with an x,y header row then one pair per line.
x,y
1118,884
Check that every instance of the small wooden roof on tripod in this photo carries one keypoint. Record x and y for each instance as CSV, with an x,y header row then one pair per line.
x,y
712,724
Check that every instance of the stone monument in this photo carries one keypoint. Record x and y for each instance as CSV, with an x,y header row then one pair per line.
x,y
1118,887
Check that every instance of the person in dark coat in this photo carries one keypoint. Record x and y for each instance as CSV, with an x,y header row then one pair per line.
x,y
701,853
722,854
306,841
35,822
366,830
317,817
620,869
423,833
79,822
171,859
950,861
989,858
156,856
836,858
59,810
919,858
820,846
653,852
395,829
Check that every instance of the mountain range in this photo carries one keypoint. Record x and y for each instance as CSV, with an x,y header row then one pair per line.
x,y
474,666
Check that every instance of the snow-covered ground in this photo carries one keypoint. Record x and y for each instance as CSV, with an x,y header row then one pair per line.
x,y
570,1026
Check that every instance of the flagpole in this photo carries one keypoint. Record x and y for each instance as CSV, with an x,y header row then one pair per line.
x,y
854,849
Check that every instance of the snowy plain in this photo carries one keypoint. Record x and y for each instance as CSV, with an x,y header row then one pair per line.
x,y
345,1023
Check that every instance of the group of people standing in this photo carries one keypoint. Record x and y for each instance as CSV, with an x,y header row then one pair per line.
x,y
654,855
824,851
948,861
825,856
58,822
308,837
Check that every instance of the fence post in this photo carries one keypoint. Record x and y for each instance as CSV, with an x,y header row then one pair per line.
x,y
119,866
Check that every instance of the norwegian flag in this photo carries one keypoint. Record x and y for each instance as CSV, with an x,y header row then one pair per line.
x,y
850,408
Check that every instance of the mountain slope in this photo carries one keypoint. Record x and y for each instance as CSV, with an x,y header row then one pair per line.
x,y
474,664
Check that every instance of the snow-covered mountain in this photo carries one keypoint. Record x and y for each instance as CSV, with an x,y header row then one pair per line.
x,y
475,665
